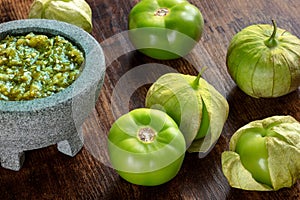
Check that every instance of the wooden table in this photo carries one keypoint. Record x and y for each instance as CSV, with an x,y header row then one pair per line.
x,y
48,174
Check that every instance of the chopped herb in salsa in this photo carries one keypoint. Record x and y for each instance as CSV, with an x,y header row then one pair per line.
x,y
37,66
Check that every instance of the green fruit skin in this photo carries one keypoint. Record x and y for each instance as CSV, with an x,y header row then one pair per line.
x,y
205,125
251,146
263,68
154,178
146,163
170,36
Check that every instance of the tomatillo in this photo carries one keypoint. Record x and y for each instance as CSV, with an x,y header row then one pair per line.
x,y
264,154
76,12
146,147
195,105
264,61
165,29
252,148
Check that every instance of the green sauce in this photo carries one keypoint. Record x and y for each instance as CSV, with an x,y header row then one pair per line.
x,y
37,66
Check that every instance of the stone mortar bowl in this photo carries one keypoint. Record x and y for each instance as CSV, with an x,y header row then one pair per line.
x,y
57,119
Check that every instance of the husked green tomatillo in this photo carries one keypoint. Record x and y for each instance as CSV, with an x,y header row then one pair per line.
x,y
146,147
264,61
264,155
76,12
196,106
165,29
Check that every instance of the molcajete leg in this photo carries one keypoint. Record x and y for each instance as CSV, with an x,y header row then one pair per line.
x,y
72,145
12,159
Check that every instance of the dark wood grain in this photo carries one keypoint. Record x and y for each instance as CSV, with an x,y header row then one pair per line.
x,y
48,174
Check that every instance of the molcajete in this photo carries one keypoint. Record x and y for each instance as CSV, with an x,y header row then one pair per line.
x,y
57,119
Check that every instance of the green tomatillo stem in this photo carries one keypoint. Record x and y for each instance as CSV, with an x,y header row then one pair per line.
x,y
272,42
195,83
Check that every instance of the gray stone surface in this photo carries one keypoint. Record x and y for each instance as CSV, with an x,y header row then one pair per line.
x,y
38,123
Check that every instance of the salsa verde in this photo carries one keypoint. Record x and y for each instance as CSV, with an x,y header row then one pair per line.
x,y
37,66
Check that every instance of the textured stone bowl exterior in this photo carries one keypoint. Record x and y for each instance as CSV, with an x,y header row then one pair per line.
x,y
57,119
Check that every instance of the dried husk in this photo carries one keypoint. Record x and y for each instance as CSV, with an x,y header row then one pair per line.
x,y
174,94
283,160
76,12
264,61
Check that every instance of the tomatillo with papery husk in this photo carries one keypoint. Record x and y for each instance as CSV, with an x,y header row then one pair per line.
x,y
195,105
76,12
264,61
264,155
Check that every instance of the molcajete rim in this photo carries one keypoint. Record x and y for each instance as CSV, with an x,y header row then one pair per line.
x,y
93,70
